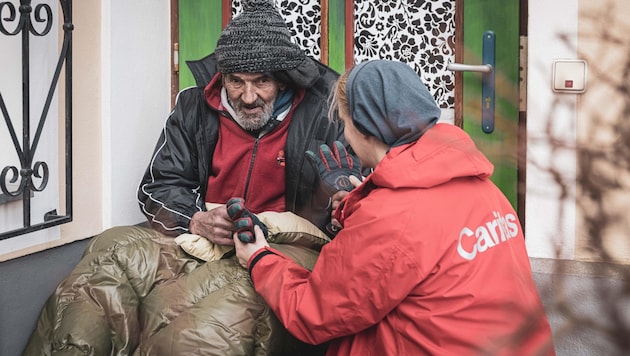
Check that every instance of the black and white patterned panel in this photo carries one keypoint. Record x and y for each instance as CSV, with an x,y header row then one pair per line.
x,y
303,18
418,32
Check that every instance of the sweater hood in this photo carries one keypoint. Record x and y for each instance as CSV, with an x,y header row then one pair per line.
x,y
445,152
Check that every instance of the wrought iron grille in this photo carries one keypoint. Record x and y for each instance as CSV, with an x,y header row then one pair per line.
x,y
32,177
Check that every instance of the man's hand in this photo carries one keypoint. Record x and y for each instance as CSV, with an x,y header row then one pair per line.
x,y
215,225
335,167
245,250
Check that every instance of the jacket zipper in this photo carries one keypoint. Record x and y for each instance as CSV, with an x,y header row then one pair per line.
x,y
251,168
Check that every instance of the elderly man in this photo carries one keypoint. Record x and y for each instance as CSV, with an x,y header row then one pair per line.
x,y
260,104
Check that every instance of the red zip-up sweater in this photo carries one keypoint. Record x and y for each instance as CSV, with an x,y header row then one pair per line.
x,y
431,261
246,166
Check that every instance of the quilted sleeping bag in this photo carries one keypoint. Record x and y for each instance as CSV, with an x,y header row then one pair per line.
x,y
137,292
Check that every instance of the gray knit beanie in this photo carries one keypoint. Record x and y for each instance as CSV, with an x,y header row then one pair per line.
x,y
389,100
258,41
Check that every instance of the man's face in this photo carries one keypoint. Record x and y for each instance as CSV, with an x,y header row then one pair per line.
x,y
252,96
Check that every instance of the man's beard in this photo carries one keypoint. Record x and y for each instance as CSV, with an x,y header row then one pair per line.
x,y
252,122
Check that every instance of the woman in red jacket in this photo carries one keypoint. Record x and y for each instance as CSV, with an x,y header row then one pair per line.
x,y
431,259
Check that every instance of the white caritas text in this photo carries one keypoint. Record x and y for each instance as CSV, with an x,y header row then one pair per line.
x,y
486,236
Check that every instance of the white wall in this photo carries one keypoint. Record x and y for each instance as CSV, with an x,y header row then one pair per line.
x,y
138,91
550,218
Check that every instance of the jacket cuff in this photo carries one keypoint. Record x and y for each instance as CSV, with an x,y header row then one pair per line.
x,y
257,256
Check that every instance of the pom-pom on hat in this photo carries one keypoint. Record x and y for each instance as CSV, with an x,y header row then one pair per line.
x,y
257,41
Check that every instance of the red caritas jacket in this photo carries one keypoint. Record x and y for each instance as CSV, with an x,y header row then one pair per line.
x,y
431,261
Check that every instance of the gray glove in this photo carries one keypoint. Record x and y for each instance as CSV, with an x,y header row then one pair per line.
x,y
244,220
334,167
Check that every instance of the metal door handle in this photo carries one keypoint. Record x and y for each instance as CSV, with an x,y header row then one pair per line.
x,y
487,79
458,67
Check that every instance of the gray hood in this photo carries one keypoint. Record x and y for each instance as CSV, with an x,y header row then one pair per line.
x,y
388,100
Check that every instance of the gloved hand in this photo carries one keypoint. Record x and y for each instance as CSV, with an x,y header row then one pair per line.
x,y
335,167
244,220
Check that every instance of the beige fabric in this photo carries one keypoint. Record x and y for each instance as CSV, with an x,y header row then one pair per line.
x,y
200,247
285,227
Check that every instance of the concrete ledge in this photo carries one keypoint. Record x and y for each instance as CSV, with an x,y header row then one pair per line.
x,y
580,268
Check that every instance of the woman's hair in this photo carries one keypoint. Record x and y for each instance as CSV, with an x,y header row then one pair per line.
x,y
339,97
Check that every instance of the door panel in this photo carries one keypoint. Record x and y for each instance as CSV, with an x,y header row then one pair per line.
x,y
501,145
200,24
336,52
419,33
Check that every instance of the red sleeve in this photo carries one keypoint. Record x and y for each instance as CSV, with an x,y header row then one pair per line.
x,y
357,280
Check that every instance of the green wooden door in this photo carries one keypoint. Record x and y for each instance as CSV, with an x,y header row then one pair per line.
x,y
200,24
501,146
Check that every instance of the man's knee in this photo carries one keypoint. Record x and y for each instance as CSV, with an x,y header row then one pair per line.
x,y
119,236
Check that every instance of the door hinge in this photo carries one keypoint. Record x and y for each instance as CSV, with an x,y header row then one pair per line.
x,y
522,74
176,57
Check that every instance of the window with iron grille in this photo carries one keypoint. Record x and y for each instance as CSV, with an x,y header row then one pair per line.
x,y
36,111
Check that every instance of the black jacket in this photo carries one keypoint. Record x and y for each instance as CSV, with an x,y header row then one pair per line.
x,y
174,185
